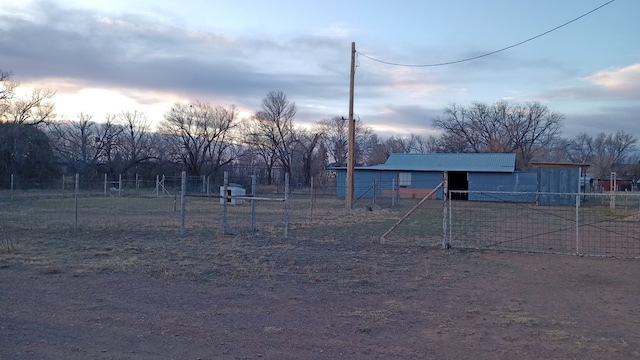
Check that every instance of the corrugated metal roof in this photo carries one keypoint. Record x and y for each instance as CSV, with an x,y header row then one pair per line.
x,y
474,162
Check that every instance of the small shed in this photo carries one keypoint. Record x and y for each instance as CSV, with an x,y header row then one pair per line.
x,y
233,190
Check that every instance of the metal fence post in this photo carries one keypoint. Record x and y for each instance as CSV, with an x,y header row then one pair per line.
x,y
76,191
183,190
225,200
254,184
375,183
312,199
578,224
11,187
446,204
119,185
105,184
286,205
393,192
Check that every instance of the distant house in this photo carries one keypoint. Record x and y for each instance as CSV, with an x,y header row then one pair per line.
x,y
415,175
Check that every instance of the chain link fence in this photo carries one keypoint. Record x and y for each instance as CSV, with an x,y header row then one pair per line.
x,y
603,224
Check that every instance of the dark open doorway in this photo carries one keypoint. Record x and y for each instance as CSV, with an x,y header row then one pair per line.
x,y
458,181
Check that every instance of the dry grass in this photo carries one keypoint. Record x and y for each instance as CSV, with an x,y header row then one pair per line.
x,y
128,234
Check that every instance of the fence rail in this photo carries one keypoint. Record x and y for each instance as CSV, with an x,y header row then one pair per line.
x,y
605,224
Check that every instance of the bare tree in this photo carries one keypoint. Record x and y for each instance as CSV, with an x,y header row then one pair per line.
x,y
274,128
201,133
308,143
258,148
134,140
336,139
605,152
74,142
7,91
34,109
501,127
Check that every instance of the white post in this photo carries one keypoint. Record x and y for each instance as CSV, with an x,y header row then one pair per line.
x,y
119,184
137,184
105,184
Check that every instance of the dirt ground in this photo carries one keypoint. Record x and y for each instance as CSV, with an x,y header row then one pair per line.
x,y
323,300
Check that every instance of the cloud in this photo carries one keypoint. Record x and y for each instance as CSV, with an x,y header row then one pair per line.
x,y
621,81
136,51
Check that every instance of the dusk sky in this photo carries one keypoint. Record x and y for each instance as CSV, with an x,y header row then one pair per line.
x,y
108,56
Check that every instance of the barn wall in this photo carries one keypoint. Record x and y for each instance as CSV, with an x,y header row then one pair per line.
x,y
504,182
558,180
421,183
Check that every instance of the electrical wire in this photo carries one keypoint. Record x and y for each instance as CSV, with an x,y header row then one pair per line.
x,y
492,52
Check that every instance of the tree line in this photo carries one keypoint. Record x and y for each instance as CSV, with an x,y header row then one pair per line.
x,y
205,139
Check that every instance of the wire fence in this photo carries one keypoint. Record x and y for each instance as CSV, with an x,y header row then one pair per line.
x,y
190,205
166,207
604,224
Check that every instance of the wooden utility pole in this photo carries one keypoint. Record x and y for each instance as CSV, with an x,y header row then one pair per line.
x,y
351,156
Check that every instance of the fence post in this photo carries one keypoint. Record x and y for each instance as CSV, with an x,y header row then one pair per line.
x,y
63,182
137,185
76,191
105,184
183,190
119,185
393,192
613,187
286,205
254,184
375,183
225,210
446,203
578,223
311,197
11,187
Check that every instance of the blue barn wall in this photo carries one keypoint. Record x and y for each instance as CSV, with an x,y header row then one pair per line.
x,y
363,181
504,182
549,180
558,180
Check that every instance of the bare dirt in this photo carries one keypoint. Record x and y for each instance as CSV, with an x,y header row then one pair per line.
x,y
287,299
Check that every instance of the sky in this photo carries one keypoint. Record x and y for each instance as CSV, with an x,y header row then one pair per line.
x,y
109,56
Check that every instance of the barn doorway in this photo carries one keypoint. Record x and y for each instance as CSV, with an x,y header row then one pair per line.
x,y
458,180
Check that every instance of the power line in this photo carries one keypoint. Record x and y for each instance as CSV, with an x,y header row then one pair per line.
x,y
492,52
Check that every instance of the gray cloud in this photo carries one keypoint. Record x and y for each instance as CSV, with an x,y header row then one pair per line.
x,y
131,51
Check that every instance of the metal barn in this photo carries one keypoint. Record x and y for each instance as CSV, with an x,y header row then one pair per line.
x,y
415,175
